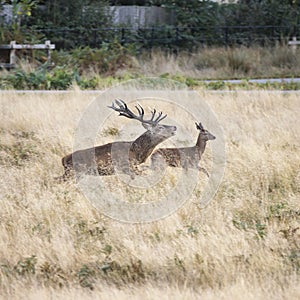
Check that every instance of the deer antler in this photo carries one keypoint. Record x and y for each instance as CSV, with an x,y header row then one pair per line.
x,y
123,110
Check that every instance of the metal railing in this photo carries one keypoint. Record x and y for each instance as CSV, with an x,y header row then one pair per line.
x,y
170,36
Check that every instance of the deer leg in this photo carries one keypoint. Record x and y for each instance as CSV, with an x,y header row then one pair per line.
x,y
157,162
140,170
185,166
61,178
135,170
67,175
204,171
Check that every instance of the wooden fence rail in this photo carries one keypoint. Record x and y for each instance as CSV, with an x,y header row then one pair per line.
x,y
13,46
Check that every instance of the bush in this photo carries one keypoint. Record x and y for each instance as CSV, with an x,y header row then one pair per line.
x,y
59,79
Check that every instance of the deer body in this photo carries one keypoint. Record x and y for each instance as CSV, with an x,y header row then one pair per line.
x,y
124,155
185,157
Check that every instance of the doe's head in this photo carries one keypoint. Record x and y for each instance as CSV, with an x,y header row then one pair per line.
x,y
205,134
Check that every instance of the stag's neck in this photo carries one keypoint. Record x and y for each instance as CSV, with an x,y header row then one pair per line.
x,y
143,146
200,144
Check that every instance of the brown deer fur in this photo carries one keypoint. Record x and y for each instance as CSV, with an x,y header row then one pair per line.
x,y
187,157
125,155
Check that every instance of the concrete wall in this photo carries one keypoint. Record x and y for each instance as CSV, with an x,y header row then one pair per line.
x,y
141,16
133,16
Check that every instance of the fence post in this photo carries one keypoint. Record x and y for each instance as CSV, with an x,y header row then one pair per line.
x,y
177,35
152,38
12,53
226,35
123,36
294,46
47,43
95,38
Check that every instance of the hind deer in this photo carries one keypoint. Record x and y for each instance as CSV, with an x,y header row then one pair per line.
x,y
188,157
125,154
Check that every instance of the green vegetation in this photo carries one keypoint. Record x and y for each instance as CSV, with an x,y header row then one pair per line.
x,y
90,68
71,24
60,79
91,56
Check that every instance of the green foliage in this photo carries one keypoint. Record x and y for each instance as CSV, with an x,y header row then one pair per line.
x,y
17,30
107,249
261,229
264,12
251,222
85,276
52,274
87,83
179,262
280,211
190,82
77,15
193,231
198,19
26,266
259,222
60,79
78,23
294,258
206,21
111,131
106,60
216,85
57,79
84,230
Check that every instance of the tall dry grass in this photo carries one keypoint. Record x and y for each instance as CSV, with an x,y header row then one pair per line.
x,y
222,63
243,245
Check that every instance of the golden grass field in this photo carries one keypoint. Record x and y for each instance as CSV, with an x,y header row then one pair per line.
x,y
244,245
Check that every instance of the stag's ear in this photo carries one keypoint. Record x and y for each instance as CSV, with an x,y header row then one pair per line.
x,y
147,126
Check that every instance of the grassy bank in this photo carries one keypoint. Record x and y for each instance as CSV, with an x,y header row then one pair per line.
x,y
245,244
100,68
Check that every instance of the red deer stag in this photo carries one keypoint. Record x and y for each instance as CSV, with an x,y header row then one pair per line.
x,y
188,157
126,155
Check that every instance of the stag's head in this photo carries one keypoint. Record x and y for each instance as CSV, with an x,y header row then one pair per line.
x,y
152,125
205,134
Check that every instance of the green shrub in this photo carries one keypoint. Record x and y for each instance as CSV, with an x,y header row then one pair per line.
x,y
26,266
105,60
59,79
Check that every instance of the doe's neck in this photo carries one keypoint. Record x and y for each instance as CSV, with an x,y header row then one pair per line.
x,y
201,143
